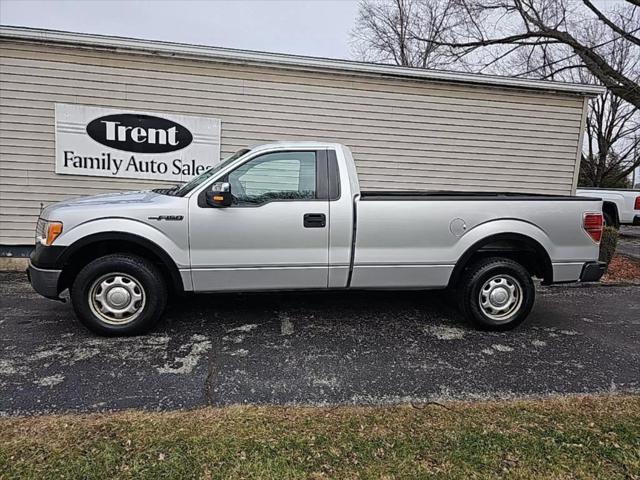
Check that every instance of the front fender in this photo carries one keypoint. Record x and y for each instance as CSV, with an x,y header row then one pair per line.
x,y
173,241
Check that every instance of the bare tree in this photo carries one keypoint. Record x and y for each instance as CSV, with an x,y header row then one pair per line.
x,y
539,24
609,22
612,136
612,143
566,40
388,32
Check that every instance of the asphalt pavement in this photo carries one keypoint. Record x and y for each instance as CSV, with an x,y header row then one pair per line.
x,y
629,242
314,349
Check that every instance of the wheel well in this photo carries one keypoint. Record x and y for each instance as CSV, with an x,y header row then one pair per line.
x,y
76,258
611,208
520,248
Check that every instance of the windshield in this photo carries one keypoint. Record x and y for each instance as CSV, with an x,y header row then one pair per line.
x,y
187,187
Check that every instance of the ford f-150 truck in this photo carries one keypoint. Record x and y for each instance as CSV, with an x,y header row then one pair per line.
x,y
620,206
291,216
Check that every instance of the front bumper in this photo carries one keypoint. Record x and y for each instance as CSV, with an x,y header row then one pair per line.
x,y
592,271
44,281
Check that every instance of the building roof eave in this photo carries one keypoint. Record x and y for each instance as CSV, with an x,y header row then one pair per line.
x,y
154,47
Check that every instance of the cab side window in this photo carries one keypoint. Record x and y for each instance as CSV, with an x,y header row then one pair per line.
x,y
275,176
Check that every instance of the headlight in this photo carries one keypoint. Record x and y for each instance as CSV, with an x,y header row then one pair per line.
x,y
47,231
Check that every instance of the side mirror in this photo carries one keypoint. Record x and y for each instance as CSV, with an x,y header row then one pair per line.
x,y
219,195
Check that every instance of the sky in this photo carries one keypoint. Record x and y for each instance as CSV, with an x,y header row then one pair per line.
x,y
305,27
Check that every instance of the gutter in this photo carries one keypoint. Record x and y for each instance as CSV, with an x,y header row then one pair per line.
x,y
201,52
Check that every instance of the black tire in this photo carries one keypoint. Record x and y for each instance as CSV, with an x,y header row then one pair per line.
x,y
141,288
506,279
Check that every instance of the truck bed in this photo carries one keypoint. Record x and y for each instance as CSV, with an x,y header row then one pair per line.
x,y
454,195
414,239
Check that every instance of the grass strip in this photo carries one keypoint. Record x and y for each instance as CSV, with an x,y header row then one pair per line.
x,y
562,437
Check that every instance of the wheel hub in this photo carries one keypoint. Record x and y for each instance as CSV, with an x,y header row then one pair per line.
x,y
117,298
500,298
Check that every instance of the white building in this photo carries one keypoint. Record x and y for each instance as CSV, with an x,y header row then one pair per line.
x,y
408,128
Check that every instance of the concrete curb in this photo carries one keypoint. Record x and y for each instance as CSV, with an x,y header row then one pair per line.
x,y
593,285
13,264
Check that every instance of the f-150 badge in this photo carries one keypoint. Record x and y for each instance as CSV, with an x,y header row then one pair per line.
x,y
175,218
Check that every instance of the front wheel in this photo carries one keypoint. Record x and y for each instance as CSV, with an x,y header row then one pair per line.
x,y
497,294
119,295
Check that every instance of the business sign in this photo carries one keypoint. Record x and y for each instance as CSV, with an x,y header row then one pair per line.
x,y
109,142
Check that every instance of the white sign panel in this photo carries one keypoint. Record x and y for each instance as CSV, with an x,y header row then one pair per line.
x,y
110,142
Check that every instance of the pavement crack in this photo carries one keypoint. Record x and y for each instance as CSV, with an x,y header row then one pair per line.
x,y
209,388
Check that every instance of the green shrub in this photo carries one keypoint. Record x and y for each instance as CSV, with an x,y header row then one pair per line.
x,y
608,244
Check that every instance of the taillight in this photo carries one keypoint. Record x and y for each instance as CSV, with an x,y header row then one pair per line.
x,y
637,204
593,224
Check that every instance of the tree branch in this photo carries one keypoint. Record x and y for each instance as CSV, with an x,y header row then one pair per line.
x,y
604,19
485,43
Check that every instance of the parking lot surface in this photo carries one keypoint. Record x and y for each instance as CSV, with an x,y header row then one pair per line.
x,y
314,349
629,242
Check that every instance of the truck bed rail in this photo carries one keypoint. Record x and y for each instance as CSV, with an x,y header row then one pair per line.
x,y
453,195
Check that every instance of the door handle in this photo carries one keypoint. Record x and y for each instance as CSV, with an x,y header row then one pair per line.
x,y
314,220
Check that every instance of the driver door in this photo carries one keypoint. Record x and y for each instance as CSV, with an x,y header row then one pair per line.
x,y
274,235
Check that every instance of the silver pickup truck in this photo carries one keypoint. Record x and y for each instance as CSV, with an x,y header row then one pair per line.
x,y
290,216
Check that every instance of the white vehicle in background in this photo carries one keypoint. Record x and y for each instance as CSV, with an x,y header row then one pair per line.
x,y
620,206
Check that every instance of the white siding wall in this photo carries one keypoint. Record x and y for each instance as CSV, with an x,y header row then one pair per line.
x,y
405,134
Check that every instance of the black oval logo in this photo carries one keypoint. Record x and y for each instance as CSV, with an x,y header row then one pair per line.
x,y
135,132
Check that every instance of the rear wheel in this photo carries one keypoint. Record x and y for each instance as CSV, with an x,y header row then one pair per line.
x,y
119,295
496,293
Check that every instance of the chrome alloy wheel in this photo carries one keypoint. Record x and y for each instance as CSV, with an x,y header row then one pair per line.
x,y
116,298
500,298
